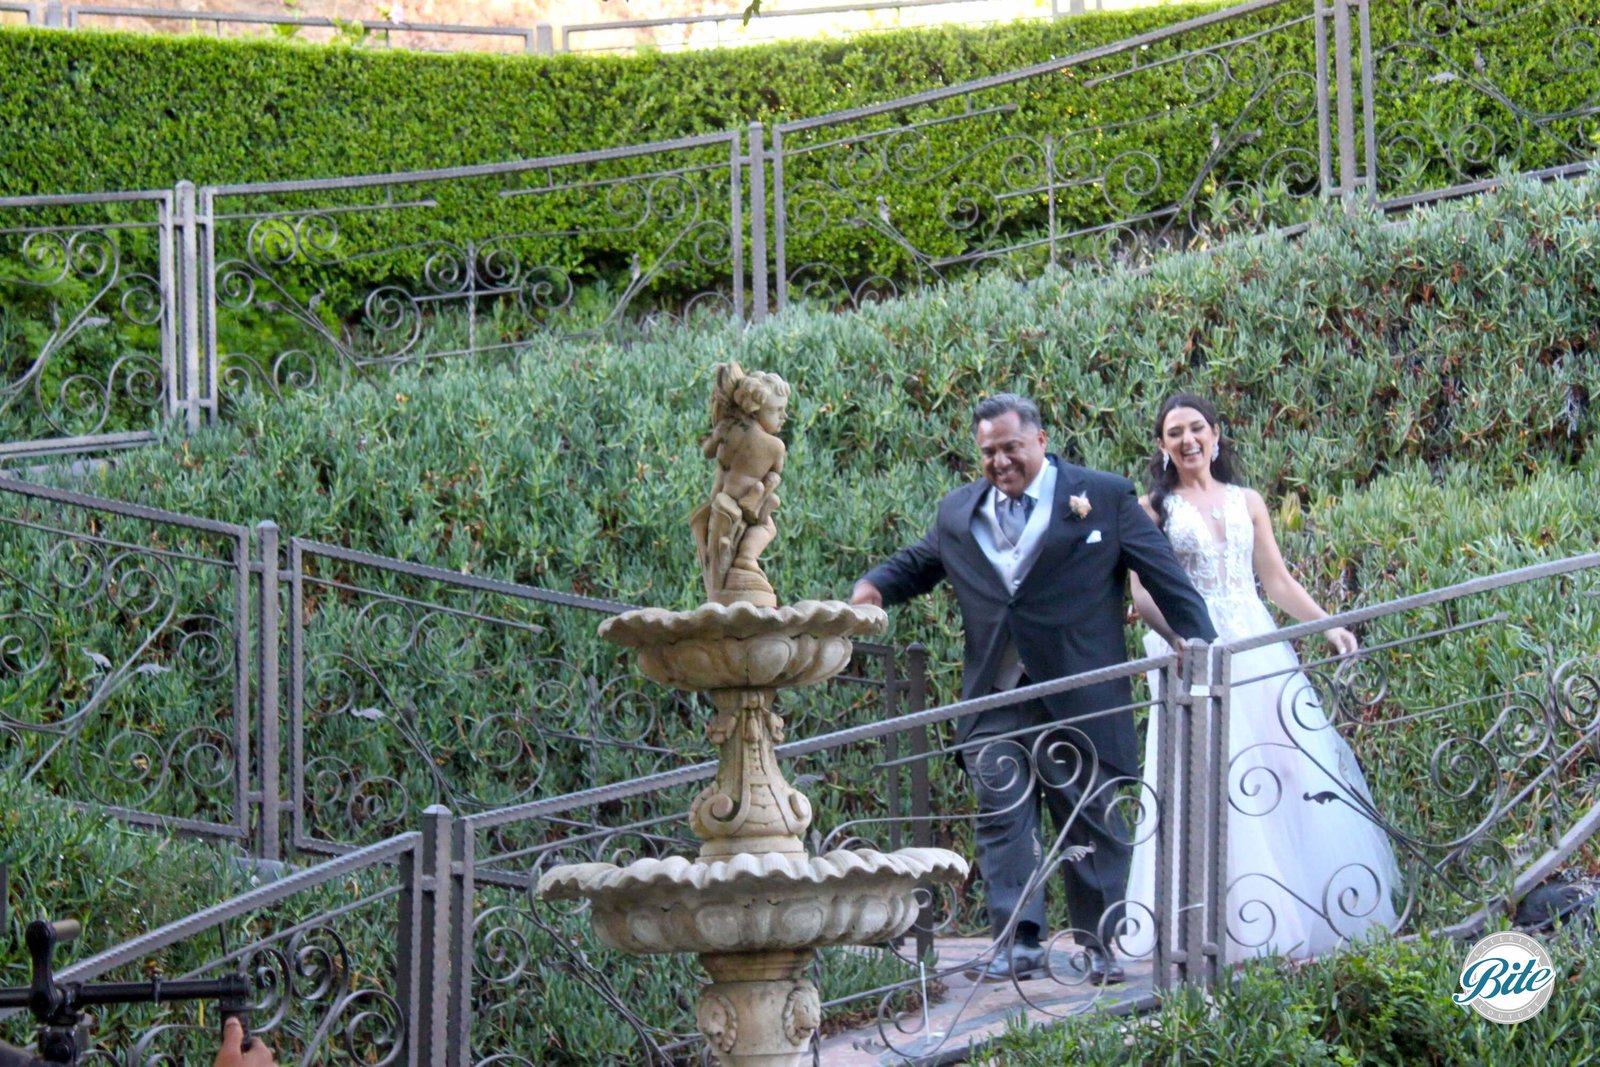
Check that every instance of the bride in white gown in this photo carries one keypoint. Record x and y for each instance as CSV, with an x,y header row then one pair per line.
x,y
1304,874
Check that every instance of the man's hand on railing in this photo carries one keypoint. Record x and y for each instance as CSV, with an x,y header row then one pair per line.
x,y
234,1054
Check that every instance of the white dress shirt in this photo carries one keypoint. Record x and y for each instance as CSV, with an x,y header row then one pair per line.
x,y
1013,561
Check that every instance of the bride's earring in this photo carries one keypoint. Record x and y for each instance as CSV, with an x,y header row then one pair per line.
x,y
1166,460
1216,450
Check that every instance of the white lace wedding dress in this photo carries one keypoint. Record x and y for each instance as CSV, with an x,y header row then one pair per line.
x,y
1304,874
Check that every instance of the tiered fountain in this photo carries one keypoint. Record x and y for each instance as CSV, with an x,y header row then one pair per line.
x,y
754,904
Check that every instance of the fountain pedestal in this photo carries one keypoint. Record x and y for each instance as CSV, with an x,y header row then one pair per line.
x,y
754,905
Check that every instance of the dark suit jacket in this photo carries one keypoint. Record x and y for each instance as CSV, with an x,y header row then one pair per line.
x,y
1067,615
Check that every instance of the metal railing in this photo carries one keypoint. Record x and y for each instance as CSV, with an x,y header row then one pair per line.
x,y
123,623
338,954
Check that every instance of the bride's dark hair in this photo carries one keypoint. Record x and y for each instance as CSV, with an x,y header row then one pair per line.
x,y
1163,477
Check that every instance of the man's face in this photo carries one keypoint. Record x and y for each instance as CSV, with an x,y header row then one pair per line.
x,y
1011,453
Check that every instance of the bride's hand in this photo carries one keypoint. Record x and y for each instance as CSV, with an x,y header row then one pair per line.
x,y
1343,641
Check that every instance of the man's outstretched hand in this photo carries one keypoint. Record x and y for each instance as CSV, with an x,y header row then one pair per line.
x,y
866,593
234,1054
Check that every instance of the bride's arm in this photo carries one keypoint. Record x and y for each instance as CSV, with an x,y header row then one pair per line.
x,y
1144,604
1280,586
1146,608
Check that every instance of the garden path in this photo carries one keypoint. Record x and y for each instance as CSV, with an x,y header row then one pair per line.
x,y
969,1011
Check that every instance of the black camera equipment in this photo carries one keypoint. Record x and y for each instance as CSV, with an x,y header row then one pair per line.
x,y
60,1007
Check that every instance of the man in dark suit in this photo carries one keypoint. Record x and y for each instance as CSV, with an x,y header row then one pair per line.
x,y
1038,554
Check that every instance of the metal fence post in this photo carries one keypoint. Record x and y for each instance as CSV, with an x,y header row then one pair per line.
x,y
758,223
891,750
427,974
205,306
188,304
921,792
780,265
267,705
544,39
1319,23
1167,722
458,1011
1345,89
55,16
1218,706
1195,783
1369,120
409,936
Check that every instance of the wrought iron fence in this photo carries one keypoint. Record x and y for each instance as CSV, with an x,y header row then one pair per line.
x,y
219,679
1026,174
1458,728
92,321
111,610
337,953
491,250
142,660
124,311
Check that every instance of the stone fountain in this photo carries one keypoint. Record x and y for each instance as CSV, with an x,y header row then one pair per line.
x,y
753,904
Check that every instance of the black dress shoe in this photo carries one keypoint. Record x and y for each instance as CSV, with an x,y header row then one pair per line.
x,y
1103,970
1019,964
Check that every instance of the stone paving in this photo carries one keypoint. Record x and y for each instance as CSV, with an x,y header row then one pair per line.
x,y
970,1011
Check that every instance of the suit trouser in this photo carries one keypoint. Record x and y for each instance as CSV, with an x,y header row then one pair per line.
x,y
1055,764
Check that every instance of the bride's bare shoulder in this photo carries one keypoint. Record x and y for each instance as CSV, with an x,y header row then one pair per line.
x,y
1253,501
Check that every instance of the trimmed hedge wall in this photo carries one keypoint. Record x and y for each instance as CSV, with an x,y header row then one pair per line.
x,y
88,111
1459,345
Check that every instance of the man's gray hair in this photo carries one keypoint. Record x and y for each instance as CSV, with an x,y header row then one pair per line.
x,y
992,407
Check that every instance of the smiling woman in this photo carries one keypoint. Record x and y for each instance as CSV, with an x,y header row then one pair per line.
x,y
1285,895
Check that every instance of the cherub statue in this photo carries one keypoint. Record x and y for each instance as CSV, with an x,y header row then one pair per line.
x,y
735,526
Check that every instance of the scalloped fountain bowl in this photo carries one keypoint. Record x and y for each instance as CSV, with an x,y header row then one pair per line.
x,y
754,905
738,646
753,902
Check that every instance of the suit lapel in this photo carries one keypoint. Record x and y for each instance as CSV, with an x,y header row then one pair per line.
x,y
1064,525
968,553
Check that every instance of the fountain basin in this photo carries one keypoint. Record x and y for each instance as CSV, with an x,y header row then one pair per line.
x,y
753,902
742,646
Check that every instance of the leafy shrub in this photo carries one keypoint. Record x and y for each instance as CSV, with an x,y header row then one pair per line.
x,y
102,111
1383,1003
1412,397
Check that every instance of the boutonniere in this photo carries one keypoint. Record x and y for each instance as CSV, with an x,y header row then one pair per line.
x,y
1079,505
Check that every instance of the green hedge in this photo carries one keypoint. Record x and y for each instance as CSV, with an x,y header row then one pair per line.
x,y
84,112
89,111
1387,1003
1414,399
1463,335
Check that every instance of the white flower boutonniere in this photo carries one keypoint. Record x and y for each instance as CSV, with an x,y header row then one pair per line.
x,y
1079,505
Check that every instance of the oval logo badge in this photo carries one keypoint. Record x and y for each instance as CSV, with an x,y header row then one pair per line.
x,y
1508,977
